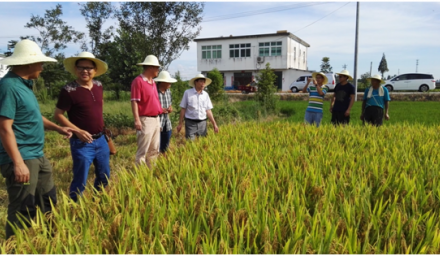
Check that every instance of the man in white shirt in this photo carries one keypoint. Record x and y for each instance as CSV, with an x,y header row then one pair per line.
x,y
196,108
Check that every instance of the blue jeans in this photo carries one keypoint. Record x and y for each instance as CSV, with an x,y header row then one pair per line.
x,y
313,117
165,137
83,154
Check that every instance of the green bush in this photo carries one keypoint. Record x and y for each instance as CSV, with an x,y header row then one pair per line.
x,y
216,88
266,89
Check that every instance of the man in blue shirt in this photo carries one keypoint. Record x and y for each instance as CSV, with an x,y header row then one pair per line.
x,y
376,102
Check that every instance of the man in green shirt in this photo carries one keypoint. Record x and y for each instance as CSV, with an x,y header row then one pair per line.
x,y
27,171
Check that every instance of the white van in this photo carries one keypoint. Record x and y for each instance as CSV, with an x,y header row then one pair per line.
x,y
299,84
411,81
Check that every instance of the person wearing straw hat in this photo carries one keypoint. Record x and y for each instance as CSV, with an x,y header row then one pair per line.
x,y
164,81
195,108
376,102
317,92
343,99
27,172
146,109
82,99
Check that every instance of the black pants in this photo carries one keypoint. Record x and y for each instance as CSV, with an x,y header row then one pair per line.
x,y
338,117
373,115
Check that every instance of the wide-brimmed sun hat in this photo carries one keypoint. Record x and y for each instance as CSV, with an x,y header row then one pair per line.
x,y
26,52
345,73
377,77
200,76
69,63
150,60
314,74
165,77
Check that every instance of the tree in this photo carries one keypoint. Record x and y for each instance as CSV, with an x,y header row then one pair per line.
x,y
363,82
325,65
11,46
163,29
177,91
383,66
55,34
216,88
96,13
266,89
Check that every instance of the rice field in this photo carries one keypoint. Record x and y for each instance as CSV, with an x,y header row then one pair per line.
x,y
267,187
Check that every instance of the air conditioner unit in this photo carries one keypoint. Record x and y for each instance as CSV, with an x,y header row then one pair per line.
x,y
260,59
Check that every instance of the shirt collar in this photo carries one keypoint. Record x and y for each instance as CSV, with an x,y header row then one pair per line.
x,y
195,92
146,80
28,83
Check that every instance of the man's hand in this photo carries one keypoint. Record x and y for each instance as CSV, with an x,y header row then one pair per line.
x,y
138,125
84,136
215,128
179,127
170,109
165,110
21,173
387,117
66,131
362,117
331,109
347,113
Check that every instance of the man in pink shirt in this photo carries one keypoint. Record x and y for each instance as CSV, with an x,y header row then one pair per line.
x,y
146,109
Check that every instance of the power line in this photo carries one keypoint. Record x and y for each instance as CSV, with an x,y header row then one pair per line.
x,y
320,18
253,13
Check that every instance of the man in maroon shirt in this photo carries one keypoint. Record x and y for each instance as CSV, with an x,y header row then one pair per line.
x,y
83,101
146,109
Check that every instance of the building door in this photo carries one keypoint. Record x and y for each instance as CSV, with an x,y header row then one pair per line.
x,y
243,78
279,80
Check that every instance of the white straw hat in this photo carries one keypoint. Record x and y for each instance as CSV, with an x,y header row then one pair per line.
x,y
150,60
314,74
69,63
165,77
377,77
200,76
345,73
26,52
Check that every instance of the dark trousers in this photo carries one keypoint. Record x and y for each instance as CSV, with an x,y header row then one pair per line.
x,y
165,137
338,117
23,198
373,115
195,128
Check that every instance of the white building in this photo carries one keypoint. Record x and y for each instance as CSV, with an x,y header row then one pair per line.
x,y
3,68
239,58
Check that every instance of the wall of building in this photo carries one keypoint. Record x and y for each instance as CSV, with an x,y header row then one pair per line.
x,y
226,63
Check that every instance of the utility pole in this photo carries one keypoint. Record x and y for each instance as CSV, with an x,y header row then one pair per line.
x,y
356,51
371,66
344,66
417,65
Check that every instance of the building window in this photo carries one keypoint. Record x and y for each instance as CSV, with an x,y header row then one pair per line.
x,y
212,52
270,48
239,50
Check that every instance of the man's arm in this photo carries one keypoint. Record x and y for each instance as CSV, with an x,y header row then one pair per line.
x,y
181,117
387,117
9,142
304,90
363,109
137,120
211,118
347,113
81,134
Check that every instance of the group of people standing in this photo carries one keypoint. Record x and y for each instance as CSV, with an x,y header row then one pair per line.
x,y
28,173
374,106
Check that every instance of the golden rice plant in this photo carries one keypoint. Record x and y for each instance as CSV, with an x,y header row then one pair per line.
x,y
255,188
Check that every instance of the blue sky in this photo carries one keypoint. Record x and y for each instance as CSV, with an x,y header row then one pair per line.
x,y
404,31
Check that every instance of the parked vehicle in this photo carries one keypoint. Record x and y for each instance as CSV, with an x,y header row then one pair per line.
x,y
299,84
411,81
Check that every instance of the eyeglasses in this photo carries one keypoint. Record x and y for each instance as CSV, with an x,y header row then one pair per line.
x,y
88,69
